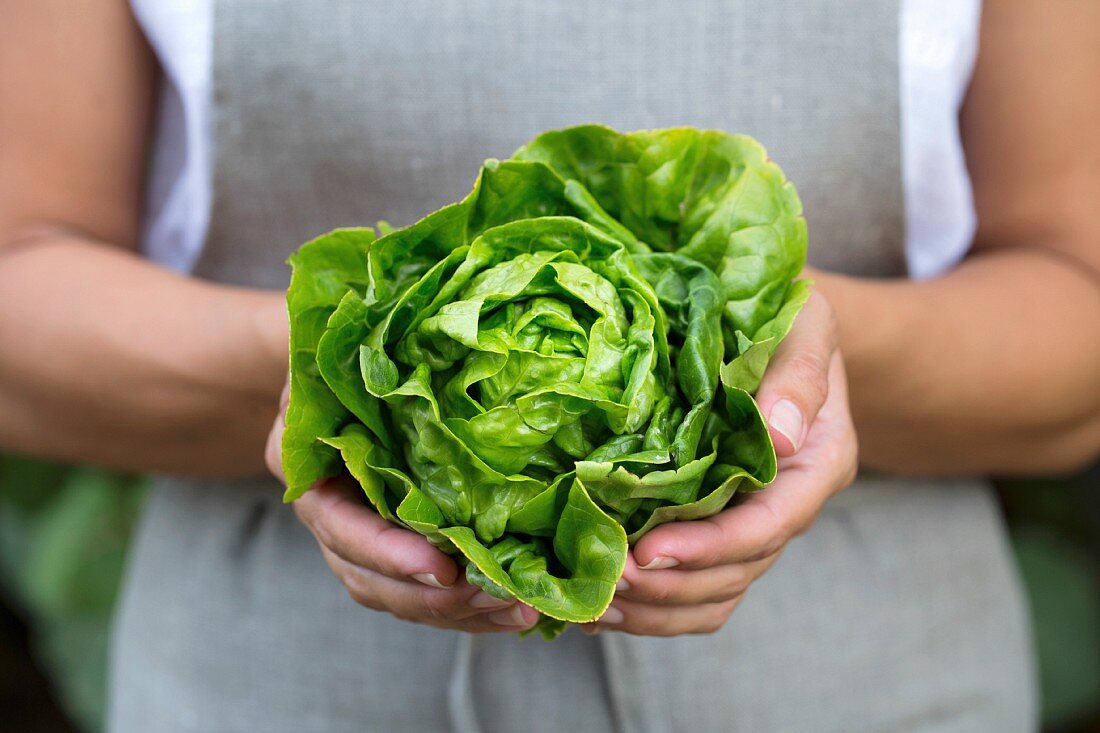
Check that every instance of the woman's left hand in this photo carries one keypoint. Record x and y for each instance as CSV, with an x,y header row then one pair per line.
x,y
687,577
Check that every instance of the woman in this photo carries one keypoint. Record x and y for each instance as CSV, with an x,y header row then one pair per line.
x,y
897,610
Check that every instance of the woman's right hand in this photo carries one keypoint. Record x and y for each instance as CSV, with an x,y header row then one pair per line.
x,y
388,568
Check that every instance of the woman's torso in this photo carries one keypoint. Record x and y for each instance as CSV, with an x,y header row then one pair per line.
x,y
897,611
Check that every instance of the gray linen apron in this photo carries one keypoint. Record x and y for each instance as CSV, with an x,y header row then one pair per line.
x,y
898,611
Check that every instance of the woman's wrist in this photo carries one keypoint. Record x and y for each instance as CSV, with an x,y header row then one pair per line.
x,y
869,317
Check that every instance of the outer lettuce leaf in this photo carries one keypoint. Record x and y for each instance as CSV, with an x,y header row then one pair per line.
x,y
753,465
324,270
712,196
548,368
589,545
747,369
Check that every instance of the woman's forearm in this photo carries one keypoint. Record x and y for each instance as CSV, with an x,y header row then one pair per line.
x,y
992,368
109,359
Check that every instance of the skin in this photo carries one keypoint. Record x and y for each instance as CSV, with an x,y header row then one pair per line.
x,y
161,372
158,372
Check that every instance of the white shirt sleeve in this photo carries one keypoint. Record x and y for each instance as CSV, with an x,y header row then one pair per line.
x,y
177,207
939,44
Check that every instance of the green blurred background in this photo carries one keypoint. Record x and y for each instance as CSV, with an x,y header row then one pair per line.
x,y
64,533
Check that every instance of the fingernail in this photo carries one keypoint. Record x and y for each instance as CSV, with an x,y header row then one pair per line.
x,y
623,584
429,579
509,617
660,563
787,419
611,616
484,600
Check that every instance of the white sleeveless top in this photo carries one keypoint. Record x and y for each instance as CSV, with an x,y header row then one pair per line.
x,y
939,42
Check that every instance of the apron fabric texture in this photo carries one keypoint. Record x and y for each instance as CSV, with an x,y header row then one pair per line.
x,y
898,611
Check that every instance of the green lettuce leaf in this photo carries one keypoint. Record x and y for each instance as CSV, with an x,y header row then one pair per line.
x,y
536,375
323,271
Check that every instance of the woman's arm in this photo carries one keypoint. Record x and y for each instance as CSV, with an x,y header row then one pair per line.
x,y
995,367
103,356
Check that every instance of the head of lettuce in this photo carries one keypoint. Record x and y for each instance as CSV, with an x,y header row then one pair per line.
x,y
536,375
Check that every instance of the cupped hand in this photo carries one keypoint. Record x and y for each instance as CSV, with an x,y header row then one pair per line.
x,y
688,577
387,568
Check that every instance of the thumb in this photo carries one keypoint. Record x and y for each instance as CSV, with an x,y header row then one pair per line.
x,y
796,382
273,451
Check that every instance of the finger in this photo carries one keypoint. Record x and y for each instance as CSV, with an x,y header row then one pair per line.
x,y
284,396
335,513
273,450
763,522
689,587
460,607
647,620
796,383
756,528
